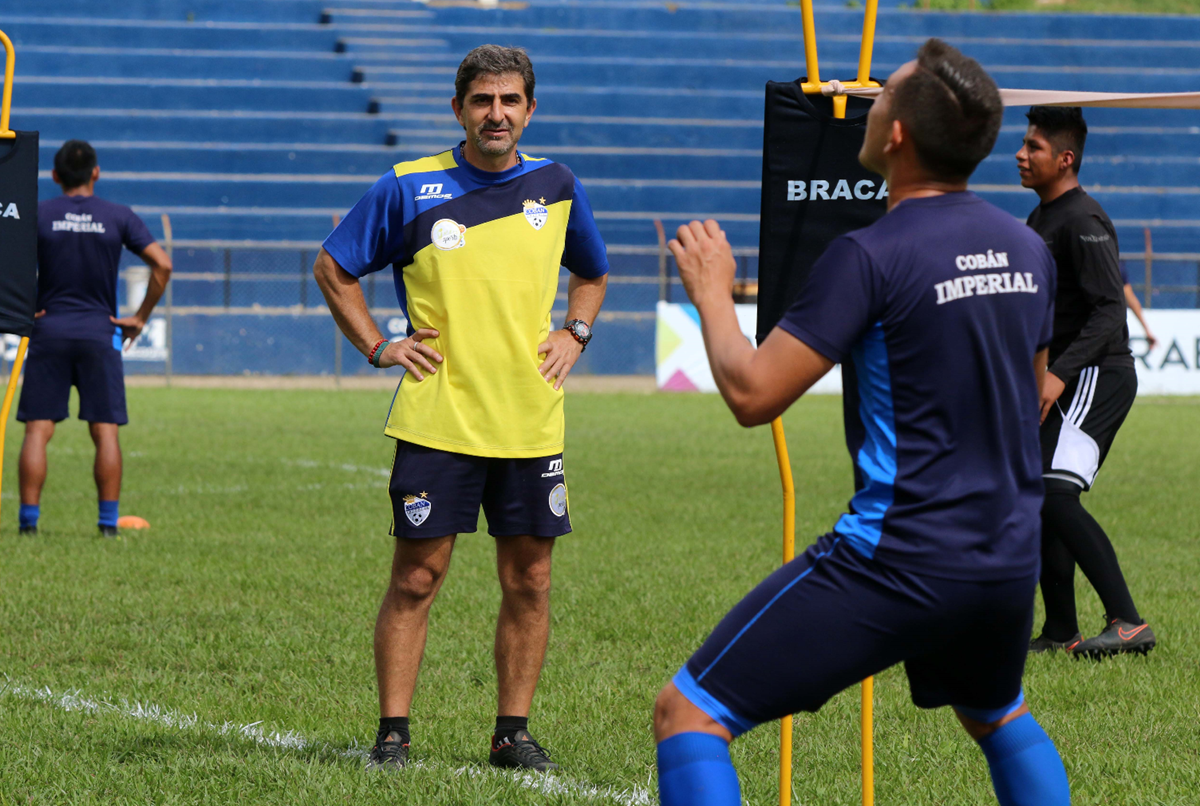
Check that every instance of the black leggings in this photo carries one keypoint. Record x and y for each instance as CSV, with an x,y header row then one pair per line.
x,y
1069,536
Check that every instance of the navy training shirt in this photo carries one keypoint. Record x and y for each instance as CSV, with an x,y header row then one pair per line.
x,y
79,253
935,312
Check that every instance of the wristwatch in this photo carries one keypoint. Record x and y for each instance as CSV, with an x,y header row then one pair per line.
x,y
580,330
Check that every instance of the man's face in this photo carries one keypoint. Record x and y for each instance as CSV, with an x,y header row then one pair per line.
x,y
880,123
494,113
1037,163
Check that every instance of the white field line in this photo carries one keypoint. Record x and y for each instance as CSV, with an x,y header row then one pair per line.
x,y
290,740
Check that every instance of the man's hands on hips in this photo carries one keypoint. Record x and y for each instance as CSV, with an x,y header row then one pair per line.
x,y
561,351
131,328
705,261
1052,389
411,354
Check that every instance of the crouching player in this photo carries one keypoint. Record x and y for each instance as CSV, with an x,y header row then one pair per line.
x,y
940,313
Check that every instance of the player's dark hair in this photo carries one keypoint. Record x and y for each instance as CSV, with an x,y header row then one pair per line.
x,y
494,60
1064,127
74,163
952,110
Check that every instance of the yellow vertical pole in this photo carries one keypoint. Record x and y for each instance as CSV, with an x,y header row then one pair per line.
x,y
810,44
868,43
10,63
789,551
8,396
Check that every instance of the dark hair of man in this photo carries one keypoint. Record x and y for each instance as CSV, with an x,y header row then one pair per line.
x,y
74,163
1064,127
494,60
951,109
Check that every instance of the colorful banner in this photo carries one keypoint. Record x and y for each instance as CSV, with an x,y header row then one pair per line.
x,y
682,363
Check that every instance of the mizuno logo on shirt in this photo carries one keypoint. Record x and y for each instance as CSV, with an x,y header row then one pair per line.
x,y
818,190
77,222
10,211
432,192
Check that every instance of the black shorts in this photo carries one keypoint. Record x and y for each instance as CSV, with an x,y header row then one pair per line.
x,y
438,493
93,367
1081,427
833,617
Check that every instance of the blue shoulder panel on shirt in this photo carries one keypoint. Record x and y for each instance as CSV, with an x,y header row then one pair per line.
x,y
876,459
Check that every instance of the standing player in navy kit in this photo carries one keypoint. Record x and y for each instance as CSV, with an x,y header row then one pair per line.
x,y
1090,387
940,314
77,336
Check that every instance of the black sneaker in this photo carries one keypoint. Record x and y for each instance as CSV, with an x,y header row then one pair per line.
x,y
1118,637
28,530
108,531
1044,644
520,751
389,752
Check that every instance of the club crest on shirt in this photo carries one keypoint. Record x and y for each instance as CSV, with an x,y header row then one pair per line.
x,y
536,213
558,500
448,234
417,508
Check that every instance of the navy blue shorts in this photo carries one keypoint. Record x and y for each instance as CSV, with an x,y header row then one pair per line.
x,y
53,366
833,617
438,493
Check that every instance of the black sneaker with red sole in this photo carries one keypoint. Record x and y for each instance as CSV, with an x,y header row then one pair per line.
x,y
389,752
520,751
1044,644
1118,638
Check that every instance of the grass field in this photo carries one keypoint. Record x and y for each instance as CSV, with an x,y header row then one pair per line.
x,y
130,669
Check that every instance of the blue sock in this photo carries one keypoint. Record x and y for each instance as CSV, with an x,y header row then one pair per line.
x,y
694,769
108,513
28,515
1025,766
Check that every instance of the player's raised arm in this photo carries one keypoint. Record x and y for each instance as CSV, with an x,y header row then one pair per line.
x,y
760,384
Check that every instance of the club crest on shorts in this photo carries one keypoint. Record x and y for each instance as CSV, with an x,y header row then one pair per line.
x,y
536,213
448,234
417,508
558,500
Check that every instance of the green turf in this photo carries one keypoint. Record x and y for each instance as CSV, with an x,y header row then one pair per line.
x,y
252,598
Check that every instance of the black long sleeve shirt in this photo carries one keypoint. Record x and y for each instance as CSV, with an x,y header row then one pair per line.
x,y
1089,307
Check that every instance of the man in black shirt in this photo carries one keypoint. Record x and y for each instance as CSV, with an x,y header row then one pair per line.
x,y
1088,389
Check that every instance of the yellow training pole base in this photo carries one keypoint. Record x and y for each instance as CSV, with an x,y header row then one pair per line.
x,y
8,396
868,742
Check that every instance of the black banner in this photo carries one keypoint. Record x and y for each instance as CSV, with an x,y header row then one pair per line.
x,y
813,190
18,232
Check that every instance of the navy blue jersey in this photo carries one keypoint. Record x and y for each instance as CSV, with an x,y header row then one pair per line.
x,y
79,252
936,312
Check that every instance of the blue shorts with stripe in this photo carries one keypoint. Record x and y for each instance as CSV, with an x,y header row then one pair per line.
x,y
834,616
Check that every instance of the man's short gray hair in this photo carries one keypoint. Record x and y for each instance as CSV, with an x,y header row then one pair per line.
x,y
494,60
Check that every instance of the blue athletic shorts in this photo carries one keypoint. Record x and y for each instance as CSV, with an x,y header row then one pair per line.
x,y
53,366
833,616
438,493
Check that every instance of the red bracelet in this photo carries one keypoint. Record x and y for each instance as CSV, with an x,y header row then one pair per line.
x,y
371,355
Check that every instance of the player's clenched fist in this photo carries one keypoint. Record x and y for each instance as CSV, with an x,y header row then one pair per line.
x,y
705,261
412,354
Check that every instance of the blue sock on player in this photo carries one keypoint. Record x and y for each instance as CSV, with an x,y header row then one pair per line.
x,y
28,516
1025,765
694,769
108,513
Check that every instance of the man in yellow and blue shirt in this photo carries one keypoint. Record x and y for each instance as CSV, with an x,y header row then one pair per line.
x,y
475,236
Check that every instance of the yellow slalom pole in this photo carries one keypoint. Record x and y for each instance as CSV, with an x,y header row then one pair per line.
x,y
789,551
10,63
8,396
868,43
810,45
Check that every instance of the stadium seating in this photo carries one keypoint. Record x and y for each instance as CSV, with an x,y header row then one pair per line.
x,y
261,120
